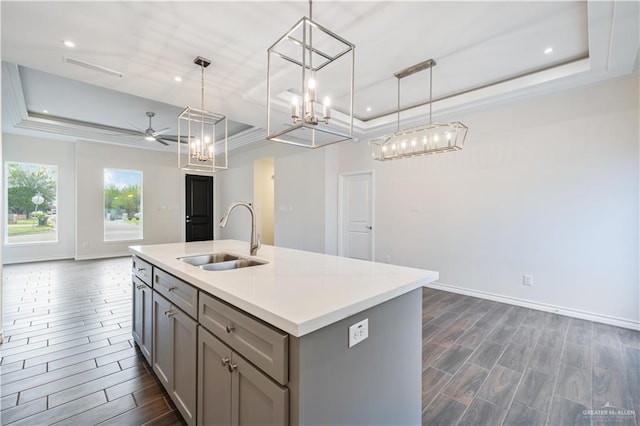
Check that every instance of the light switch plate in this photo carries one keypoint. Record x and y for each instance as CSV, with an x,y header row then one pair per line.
x,y
358,332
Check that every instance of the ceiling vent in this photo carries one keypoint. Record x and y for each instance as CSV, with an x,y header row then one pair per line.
x,y
93,67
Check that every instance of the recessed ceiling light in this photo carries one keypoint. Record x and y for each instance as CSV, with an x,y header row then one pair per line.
x,y
368,109
45,111
177,78
68,43
548,50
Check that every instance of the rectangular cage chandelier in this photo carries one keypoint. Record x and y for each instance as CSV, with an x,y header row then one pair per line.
x,y
430,138
310,78
202,135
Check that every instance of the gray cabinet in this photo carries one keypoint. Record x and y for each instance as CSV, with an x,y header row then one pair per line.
x,y
142,324
174,354
231,391
184,295
263,345
141,269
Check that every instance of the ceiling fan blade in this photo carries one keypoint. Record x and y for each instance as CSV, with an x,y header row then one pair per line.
x,y
162,141
136,127
174,138
161,131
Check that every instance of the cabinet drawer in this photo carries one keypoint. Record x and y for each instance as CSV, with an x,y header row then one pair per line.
x,y
261,344
177,291
142,270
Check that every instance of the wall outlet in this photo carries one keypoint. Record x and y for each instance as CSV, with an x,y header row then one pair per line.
x,y
358,332
527,279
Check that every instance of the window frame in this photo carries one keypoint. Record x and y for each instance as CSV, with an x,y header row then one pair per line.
x,y
6,241
104,219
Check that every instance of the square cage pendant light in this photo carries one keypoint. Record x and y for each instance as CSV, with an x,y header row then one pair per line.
x,y
202,135
430,138
310,73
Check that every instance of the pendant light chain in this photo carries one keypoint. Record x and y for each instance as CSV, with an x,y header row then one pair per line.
x,y
311,40
430,92
202,87
398,124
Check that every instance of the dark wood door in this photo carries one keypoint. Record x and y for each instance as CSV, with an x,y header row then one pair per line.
x,y
199,208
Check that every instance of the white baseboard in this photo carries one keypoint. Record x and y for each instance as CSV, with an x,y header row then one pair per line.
x,y
6,261
574,313
103,256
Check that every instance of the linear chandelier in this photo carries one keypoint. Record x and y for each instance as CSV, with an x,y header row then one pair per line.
x,y
310,72
430,138
204,133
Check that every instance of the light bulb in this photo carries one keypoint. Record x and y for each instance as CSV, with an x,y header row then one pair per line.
x,y
149,138
448,135
312,83
326,109
207,139
413,142
424,140
403,145
295,101
384,148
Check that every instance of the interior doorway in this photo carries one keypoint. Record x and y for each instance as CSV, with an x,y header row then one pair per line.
x,y
263,198
355,215
198,208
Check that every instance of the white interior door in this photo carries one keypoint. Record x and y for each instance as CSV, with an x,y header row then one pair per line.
x,y
356,216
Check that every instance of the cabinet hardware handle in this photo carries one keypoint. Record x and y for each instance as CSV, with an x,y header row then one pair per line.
x,y
140,286
171,289
369,227
168,313
232,367
225,361
142,269
230,328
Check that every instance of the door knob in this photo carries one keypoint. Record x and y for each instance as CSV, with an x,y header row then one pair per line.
x,y
369,227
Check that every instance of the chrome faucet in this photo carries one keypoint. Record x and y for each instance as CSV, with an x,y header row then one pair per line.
x,y
255,243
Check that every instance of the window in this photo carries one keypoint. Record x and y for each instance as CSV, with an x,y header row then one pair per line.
x,y
122,205
32,194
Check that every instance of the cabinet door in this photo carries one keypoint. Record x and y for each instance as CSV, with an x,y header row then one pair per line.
x,y
162,341
136,324
146,335
255,398
185,348
214,380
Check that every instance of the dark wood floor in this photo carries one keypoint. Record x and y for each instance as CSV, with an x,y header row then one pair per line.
x,y
68,357
488,363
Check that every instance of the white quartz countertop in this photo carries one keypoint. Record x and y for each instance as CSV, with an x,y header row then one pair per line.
x,y
297,291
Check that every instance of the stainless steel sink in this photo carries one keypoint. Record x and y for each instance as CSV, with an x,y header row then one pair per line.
x,y
220,261
204,259
231,264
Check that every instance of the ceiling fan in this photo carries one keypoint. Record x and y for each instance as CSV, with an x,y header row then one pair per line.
x,y
155,135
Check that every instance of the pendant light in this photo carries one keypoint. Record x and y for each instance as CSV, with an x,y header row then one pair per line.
x,y
426,139
310,72
202,135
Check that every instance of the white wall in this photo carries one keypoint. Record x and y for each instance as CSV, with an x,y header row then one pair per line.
x,y
162,192
548,187
45,151
299,216
263,198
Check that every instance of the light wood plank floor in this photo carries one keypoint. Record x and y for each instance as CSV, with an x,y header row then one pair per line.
x,y
68,357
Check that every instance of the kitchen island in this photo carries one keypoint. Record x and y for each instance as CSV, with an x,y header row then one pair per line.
x,y
276,336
